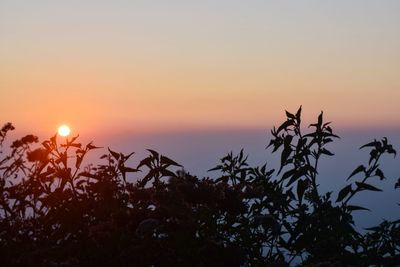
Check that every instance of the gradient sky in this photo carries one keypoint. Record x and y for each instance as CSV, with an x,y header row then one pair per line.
x,y
196,79
159,66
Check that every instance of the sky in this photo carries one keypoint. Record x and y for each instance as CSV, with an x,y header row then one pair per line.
x,y
196,79
107,67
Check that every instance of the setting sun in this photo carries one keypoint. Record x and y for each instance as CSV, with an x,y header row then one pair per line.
x,y
64,130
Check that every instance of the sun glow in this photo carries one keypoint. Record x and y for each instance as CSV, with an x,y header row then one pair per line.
x,y
64,130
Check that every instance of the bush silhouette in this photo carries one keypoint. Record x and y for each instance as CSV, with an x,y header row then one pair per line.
x,y
56,212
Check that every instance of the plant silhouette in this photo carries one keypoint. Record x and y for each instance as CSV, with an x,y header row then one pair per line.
x,y
56,212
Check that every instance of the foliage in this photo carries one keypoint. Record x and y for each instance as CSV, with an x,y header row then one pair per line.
x,y
56,212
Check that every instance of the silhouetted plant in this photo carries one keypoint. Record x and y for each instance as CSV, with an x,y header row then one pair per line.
x,y
55,211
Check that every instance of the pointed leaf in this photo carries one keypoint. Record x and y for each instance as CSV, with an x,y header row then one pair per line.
x,y
326,152
91,146
288,174
298,115
371,144
320,119
299,173
114,154
167,173
126,157
284,157
168,161
219,167
154,153
365,186
145,162
375,228
285,125
359,169
301,188
353,207
290,115
344,192
78,161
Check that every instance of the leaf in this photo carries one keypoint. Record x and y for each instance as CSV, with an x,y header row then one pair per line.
x,y
290,194
371,144
128,156
375,228
73,139
298,115
54,140
288,174
276,143
145,162
268,173
391,150
320,119
397,185
263,168
328,128
62,158
223,179
219,167
272,142
91,146
326,152
285,125
364,186
290,115
373,155
344,192
149,175
167,173
287,141
353,208
168,161
114,154
154,153
128,169
78,161
299,173
359,169
284,157
301,188
380,174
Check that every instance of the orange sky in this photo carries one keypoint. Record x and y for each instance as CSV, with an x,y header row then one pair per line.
x,y
137,66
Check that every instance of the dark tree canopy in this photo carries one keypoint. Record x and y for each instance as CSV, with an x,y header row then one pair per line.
x,y
56,212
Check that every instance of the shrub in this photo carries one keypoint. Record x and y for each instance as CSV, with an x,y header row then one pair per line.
x,y
56,212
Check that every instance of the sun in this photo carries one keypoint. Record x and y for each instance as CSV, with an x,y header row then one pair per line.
x,y
64,130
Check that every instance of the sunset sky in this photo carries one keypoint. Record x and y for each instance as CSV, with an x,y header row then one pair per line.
x,y
169,66
196,79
